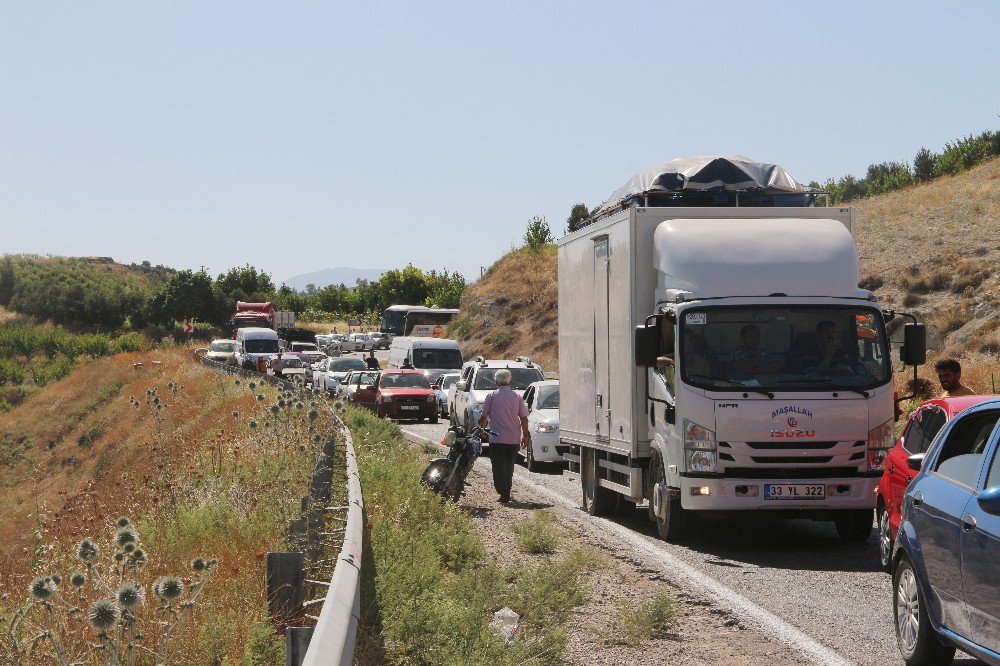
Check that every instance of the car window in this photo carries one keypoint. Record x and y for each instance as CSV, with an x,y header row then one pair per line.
x,y
933,422
962,451
547,398
994,478
913,436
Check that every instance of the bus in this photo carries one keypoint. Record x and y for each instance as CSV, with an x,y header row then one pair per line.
x,y
428,318
400,319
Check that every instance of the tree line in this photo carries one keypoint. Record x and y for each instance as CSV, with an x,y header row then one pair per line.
x,y
97,293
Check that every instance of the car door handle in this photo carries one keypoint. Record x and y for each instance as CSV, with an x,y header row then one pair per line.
x,y
909,478
918,499
892,469
968,522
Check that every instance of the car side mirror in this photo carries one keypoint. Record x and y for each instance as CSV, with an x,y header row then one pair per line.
x,y
914,349
462,386
989,500
647,345
916,461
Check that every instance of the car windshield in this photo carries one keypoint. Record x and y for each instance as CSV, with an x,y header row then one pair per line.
x,y
362,377
291,362
784,348
261,346
404,380
521,378
437,358
547,397
448,380
222,346
345,364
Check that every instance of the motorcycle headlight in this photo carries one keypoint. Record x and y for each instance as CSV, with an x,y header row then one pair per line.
x,y
545,427
449,439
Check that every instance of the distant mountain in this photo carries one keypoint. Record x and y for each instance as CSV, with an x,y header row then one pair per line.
x,y
340,275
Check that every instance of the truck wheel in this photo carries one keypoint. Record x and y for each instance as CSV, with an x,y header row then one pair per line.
x,y
597,501
854,526
665,507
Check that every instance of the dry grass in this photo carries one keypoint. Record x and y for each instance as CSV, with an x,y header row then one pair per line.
x,y
512,310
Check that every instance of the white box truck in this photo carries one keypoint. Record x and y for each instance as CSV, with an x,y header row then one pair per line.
x,y
722,357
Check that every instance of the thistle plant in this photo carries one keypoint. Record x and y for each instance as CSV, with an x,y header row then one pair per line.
x,y
102,615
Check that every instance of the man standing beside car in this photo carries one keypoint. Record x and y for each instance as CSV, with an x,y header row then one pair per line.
x,y
507,415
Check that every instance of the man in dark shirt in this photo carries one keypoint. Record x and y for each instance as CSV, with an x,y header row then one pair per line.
x,y
826,353
371,361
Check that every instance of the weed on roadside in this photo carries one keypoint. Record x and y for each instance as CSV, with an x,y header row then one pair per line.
x,y
652,618
538,535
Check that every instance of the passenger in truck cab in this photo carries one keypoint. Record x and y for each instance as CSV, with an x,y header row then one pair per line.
x,y
825,353
949,372
748,357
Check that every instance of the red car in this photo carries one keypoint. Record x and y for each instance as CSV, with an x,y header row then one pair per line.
x,y
922,425
403,394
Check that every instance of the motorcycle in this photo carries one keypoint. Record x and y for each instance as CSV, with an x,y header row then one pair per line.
x,y
447,476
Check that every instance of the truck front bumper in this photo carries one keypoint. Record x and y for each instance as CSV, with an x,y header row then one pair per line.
x,y
727,494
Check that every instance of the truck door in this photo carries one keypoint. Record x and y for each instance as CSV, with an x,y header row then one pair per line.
x,y
602,376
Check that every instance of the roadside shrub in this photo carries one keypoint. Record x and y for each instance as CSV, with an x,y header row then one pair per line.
x,y
871,282
652,618
538,534
538,233
911,299
968,275
11,373
499,339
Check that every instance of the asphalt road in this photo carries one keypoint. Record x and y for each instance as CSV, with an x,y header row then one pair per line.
x,y
798,570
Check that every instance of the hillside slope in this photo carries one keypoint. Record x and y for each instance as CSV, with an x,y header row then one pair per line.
x,y
931,249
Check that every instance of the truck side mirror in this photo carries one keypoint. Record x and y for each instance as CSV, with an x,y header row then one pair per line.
x,y
914,349
647,345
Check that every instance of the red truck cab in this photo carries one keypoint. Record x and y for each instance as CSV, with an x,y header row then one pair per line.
x,y
922,425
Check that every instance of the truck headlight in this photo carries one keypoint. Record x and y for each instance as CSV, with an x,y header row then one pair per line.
x,y
879,442
698,437
545,427
432,398
386,397
700,460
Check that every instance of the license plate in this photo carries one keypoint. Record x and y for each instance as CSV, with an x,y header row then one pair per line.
x,y
794,491
409,408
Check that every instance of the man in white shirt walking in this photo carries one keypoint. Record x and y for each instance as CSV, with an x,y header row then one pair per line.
x,y
507,415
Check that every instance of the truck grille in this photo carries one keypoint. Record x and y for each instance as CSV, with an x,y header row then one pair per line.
x,y
782,460
790,472
799,444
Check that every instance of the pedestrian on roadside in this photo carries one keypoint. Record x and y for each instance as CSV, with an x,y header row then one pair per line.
x,y
507,415
949,372
371,361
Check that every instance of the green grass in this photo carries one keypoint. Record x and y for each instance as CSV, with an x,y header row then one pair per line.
x,y
538,534
434,590
652,618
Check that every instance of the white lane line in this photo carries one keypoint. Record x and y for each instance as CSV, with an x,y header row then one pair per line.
x,y
770,623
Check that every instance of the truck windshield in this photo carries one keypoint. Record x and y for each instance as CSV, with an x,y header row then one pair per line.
x,y
261,346
436,359
792,347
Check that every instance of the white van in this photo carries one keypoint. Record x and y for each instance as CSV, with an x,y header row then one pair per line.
x,y
253,343
433,356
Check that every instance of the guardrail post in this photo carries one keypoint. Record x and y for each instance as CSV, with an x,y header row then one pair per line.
x,y
296,644
285,576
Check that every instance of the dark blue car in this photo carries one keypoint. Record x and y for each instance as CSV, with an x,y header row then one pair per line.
x,y
946,563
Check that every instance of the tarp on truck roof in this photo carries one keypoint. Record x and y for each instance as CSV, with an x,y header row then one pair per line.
x,y
667,183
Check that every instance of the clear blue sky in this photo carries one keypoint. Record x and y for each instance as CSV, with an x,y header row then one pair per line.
x,y
299,136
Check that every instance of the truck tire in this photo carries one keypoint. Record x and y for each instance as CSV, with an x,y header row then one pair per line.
x,y
597,501
672,521
854,526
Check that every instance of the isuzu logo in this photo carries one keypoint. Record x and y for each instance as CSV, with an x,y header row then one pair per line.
x,y
797,432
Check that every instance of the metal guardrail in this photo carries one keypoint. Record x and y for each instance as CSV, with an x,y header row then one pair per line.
x,y
335,633
337,627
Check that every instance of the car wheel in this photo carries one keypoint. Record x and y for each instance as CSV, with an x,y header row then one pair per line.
x,y
915,637
884,537
854,526
529,459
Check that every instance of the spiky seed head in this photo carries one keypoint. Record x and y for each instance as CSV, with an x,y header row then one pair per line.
x,y
125,535
139,558
77,579
87,550
313,414
170,385
260,398
275,409
156,399
57,579
281,403
253,425
168,588
119,557
252,385
130,596
237,382
129,547
159,407
123,522
103,614
198,564
236,414
302,447
212,562
317,438
41,588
